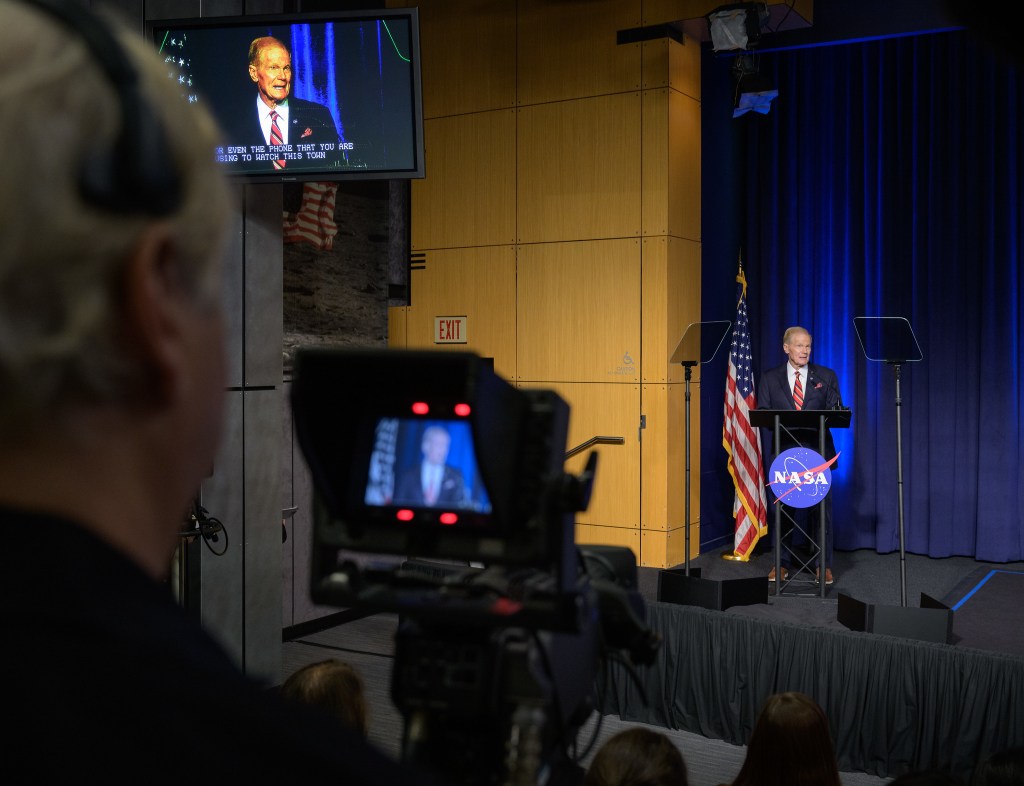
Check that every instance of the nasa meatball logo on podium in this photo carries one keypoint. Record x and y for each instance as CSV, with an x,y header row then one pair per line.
x,y
800,477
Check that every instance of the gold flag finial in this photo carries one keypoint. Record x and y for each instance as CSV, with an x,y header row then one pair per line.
x,y
741,277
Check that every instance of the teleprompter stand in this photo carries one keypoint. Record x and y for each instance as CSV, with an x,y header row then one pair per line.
x,y
790,421
700,344
891,340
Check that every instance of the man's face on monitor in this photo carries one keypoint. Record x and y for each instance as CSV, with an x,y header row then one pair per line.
x,y
435,446
272,74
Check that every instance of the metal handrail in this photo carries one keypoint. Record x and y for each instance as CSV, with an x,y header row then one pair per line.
x,y
595,441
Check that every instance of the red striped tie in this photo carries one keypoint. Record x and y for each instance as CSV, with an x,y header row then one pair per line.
x,y
276,138
798,392
430,492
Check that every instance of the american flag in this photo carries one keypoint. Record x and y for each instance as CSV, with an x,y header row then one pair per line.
x,y
741,440
174,48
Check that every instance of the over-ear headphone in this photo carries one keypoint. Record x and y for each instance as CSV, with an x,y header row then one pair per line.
x,y
138,174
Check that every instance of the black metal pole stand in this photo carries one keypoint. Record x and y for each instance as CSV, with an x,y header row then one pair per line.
x,y
688,366
899,487
776,442
822,517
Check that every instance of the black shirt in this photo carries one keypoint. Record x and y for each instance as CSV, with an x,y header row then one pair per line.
x,y
108,679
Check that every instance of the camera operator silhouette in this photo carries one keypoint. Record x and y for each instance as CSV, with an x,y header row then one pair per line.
x,y
114,366
432,482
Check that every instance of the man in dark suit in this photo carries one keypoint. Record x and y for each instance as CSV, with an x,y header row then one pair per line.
x,y
278,118
432,482
798,384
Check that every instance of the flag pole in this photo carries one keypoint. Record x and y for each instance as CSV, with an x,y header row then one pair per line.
x,y
740,439
731,555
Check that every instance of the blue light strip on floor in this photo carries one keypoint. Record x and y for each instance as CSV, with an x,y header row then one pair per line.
x,y
981,583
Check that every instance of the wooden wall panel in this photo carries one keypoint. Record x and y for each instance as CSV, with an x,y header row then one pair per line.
x,y
673,64
608,410
661,11
596,535
398,326
655,165
658,341
568,49
654,444
578,311
579,169
663,456
590,182
671,301
684,66
684,152
666,550
475,69
671,164
478,283
655,63
468,195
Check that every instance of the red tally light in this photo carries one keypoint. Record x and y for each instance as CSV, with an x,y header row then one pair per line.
x,y
506,607
449,518
420,407
405,514
462,410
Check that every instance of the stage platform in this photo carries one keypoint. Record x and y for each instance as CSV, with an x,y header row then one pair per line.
x,y
894,703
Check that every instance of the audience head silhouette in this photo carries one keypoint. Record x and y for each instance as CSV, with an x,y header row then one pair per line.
x,y
331,685
637,757
1003,768
790,746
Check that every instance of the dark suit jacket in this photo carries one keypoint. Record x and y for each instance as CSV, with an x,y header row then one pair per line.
x,y
308,123
821,391
409,489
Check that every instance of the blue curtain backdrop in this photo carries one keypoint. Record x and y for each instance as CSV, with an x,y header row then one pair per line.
x,y
314,74
886,180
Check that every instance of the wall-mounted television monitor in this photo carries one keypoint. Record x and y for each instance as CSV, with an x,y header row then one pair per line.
x,y
325,96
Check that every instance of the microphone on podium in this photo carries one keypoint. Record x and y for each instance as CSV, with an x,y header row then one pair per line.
x,y
814,379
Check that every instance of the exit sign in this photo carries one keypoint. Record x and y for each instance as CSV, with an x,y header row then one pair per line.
x,y
450,330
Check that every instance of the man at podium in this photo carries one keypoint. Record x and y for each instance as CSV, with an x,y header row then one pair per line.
x,y
798,384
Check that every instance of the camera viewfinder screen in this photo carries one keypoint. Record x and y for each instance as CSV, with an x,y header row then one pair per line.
x,y
419,463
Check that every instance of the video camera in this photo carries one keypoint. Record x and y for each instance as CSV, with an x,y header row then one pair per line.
x,y
432,457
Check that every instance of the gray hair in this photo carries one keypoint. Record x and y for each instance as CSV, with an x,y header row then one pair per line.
x,y
61,258
796,330
259,45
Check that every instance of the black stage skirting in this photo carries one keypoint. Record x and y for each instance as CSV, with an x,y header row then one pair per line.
x,y
894,704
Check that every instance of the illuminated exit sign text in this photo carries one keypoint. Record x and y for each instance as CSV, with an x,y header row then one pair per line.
x,y
450,330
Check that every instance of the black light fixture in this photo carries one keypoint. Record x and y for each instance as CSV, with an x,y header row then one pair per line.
x,y
736,26
754,91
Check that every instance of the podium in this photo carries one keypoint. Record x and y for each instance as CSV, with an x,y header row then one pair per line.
x,y
797,424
